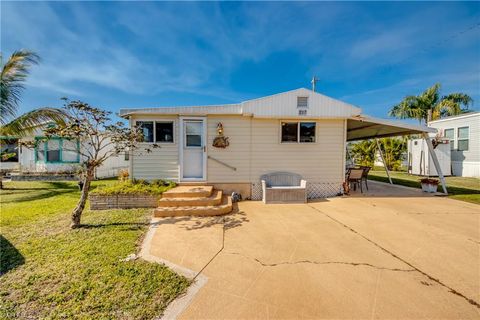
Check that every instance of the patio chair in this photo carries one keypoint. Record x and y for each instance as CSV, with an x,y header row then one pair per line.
x,y
366,170
355,178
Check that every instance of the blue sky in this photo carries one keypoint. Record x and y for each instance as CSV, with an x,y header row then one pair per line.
x,y
148,54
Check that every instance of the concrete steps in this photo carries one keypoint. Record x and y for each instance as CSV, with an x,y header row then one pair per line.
x,y
214,199
193,201
188,192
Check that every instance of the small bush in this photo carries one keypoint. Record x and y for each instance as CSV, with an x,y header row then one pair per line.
x,y
123,175
136,186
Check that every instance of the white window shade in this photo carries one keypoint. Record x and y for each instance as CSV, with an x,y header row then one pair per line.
x,y
193,133
462,141
53,150
70,151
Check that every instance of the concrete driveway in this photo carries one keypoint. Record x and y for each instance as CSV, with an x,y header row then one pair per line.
x,y
392,253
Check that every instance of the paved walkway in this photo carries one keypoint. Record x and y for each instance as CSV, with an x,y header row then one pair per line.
x,y
398,254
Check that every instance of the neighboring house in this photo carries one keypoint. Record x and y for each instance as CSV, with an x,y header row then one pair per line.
x,y
298,131
55,155
420,162
463,132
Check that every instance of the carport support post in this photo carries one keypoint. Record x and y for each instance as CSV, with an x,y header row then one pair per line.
x,y
383,160
435,161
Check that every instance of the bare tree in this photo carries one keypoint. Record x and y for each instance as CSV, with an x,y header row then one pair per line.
x,y
96,139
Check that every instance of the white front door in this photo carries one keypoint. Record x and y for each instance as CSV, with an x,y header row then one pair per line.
x,y
193,149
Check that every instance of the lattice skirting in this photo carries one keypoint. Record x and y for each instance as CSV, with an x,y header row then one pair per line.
x,y
318,190
315,190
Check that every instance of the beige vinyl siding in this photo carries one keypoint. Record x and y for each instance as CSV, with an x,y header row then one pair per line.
x,y
237,129
161,163
321,161
255,149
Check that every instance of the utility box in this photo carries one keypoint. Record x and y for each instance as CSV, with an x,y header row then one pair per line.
x,y
420,162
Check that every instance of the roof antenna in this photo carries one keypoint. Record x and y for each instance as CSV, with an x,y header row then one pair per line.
x,y
314,82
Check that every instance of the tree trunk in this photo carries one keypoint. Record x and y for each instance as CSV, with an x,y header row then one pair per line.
x,y
429,116
77,212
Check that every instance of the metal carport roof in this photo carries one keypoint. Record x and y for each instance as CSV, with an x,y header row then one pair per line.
x,y
365,127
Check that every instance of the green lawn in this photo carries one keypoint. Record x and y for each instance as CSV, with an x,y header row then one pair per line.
x,y
460,188
49,271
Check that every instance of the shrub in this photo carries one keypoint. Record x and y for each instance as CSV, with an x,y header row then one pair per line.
x,y
155,187
123,175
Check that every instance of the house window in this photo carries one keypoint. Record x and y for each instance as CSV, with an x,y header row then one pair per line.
x,y
462,141
147,129
450,135
307,131
57,150
193,133
302,102
8,150
164,132
53,150
160,131
289,131
69,150
40,151
303,132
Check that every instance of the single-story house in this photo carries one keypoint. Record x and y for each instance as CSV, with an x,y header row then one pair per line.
x,y
463,133
231,146
53,156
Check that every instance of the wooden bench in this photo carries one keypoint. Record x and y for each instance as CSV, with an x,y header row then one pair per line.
x,y
283,187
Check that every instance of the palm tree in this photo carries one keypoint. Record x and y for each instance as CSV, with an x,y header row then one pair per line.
x,y
430,106
12,78
364,152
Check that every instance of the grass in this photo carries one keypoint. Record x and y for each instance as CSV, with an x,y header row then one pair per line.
x,y
49,271
460,188
155,187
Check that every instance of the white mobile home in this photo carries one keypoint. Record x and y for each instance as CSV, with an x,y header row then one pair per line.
x,y
463,132
231,146
54,156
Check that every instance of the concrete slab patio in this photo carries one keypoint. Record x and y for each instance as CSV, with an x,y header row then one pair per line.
x,y
391,253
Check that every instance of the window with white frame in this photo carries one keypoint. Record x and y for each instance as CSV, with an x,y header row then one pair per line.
x,y
164,131
462,139
303,132
147,129
450,135
157,131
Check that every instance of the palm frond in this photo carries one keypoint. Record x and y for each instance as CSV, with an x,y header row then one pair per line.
x,y
461,98
12,78
451,105
409,107
30,121
431,96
